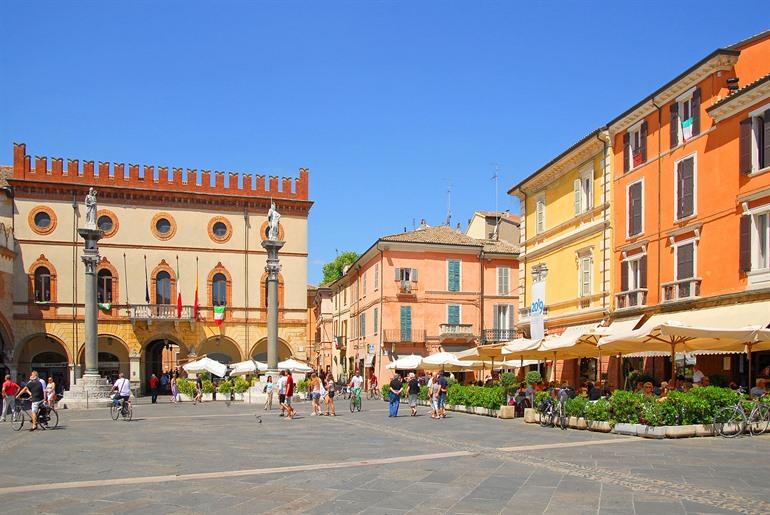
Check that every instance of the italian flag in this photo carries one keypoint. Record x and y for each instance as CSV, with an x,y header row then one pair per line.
x,y
687,129
219,314
178,292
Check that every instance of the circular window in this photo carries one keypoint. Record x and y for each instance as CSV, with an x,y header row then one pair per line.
x,y
107,222
220,229
265,231
42,220
163,226
104,223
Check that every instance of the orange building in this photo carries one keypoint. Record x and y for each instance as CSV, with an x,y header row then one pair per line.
x,y
691,195
420,292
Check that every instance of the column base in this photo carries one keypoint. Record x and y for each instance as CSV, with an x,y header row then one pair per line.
x,y
91,391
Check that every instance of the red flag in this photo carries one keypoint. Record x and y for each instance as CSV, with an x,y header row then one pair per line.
x,y
178,293
195,304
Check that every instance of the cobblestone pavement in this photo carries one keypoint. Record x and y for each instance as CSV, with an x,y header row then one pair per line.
x,y
212,458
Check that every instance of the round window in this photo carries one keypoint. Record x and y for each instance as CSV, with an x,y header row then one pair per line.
x,y
105,223
219,229
42,220
163,226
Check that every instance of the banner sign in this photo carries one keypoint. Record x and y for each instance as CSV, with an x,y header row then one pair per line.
x,y
536,310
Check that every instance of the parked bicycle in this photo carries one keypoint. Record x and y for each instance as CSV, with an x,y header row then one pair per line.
x,y
745,415
47,417
553,413
121,409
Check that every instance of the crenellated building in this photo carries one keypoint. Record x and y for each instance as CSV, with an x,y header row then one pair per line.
x,y
166,231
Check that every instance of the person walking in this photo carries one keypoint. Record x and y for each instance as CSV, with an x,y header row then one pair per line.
x,y
50,392
198,390
395,395
315,393
36,393
174,391
434,393
444,387
10,389
290,412
282,392
269,391
330,396
414,391
154,388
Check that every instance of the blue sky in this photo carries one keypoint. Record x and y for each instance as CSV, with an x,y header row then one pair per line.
x,y
388,103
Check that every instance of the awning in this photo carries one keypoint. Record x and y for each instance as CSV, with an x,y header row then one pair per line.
x,y
246,367
456,348
206,365
734,316
492,351
575,342
411,362
294,366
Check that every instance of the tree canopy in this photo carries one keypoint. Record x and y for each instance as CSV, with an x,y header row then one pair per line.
x,y
333,271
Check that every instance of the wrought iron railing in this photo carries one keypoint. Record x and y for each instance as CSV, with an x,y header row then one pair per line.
x,y
404,335
497,335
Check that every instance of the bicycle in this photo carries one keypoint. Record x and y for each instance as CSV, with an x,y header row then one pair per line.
x,y
759,418
547,413
731,421
374,393
118,409
355,400
47,416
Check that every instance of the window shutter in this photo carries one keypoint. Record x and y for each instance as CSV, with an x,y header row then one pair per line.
x,y
745,243
454,275
453,314
496,316
766,139
745,146
626,144
509,316
643,272
630,214
643,141
674,124
679,190
695,111
578,196
398,274
624,276
687,186
684,261
413,275
590,191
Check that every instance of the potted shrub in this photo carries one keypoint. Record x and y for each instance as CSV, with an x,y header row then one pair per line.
x,y
575,409
597,415
186,389
509,385
240,385
223,390
208,390
624,412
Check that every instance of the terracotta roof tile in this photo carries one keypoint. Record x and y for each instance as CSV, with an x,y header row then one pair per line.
x,y
444,235
740,91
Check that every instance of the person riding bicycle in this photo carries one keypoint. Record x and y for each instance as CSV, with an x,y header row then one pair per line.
x,y
356,382
123,388
373,384
35,390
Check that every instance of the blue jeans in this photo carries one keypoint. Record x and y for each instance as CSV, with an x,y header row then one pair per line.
x,y
395,401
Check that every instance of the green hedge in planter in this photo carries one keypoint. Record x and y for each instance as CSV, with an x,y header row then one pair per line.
x,y
224,387
625,407
540,397
207,386
185,387
303,385
533,377
576,407
598,411
477,396
240,384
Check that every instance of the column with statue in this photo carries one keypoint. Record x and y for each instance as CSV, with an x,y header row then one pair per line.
x,y
272,245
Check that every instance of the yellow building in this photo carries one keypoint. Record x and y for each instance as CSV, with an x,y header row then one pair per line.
x,y
566,244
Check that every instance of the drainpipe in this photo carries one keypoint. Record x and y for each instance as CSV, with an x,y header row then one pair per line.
x,y
381,329
246,275
606,228
481,296
660,171
74,286
524,282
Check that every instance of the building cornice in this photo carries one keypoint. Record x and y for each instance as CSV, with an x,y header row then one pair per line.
x,y
733,104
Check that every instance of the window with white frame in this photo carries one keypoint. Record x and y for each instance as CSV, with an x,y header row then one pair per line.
x,y
684,187
453,315
755,141
761,241
540,214
635,146
583,192
503,280
685,117
585,274
635,208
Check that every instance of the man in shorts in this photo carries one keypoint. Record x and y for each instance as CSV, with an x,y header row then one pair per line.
x,y
282,392
434,392
444,386
123,387
290,412
414,392
35,391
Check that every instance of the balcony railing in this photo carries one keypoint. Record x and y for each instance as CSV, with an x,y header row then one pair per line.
x,y
682,289
404,335
407,288
162,312
497,335
455,332
631,298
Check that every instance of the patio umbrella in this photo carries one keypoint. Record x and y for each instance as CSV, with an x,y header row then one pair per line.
x,y
294,366
411,362
206,365
249,366
442,361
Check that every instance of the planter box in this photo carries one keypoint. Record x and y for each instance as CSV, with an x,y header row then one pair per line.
x,y
183,398
531,416
600,426
680,431
507,412
626,429
581,423
704,430
207,397
658,432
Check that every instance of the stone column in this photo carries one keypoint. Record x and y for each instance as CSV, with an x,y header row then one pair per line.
x,y
134,367
272,268
91,260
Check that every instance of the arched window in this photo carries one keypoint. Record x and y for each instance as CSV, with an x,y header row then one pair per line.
x,y
42,284
163,288
104,286
219,290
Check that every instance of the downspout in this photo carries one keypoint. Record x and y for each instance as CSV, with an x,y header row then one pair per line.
x,y
381,330
524,281
660,171
481,296
605,162
246,275
74,286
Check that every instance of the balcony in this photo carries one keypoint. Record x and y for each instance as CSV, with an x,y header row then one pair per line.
x,y
455,333
159,313
680,290
497,335
404,335
631,298
407,288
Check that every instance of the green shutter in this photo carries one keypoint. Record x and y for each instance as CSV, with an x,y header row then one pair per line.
x,y
453,314
453,275
406,323
376,320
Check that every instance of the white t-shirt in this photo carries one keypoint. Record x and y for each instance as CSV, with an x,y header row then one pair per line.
x,y
282,385
697,376
124,386
357,381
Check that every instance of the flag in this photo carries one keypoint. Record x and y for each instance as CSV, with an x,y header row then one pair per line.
x,y
104,306
687,129
178,292
146,284
195,304
219,314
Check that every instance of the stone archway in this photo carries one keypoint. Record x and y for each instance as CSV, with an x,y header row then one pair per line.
x,y
113,357
220,348
259,351
161,354
47,355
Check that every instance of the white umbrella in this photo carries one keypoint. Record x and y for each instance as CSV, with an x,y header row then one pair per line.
x,y
206,365
411,362
295,366
249,366
443,360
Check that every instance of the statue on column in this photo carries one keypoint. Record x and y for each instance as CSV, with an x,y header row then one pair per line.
x,y
273,217
91,209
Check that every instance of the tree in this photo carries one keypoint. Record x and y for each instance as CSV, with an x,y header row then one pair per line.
x,y
333,270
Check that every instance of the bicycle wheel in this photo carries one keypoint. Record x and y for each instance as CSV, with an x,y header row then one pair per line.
x,y
352,404
53,419
546,418
562,417
114,412
729,422
358,404
760,419
17,422
128,413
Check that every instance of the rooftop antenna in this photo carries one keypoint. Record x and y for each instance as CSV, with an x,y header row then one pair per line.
x,y
495,178
449,205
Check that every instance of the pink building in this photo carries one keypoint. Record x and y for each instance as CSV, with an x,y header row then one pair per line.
x,y
421,292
